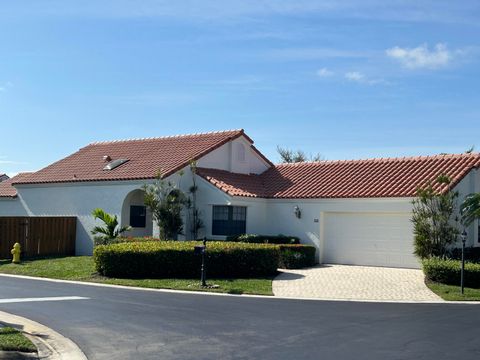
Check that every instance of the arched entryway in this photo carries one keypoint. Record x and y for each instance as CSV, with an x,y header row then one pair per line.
x,y
136,215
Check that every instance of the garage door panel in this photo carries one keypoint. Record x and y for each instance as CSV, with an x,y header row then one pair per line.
x,y
375,239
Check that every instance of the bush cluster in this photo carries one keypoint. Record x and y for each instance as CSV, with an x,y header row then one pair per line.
x,y
264,239
471,254
176,259
297,256
448,272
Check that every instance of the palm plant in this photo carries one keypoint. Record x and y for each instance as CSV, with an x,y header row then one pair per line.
x,y
166,202
470,208
110,230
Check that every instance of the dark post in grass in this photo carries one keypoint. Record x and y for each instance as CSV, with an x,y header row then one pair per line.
x,y
201,250
204,270
462,275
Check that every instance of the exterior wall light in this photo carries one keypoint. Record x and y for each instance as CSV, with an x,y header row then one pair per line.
x,y
297,212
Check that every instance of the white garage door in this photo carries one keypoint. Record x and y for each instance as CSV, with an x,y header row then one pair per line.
x,y
375,239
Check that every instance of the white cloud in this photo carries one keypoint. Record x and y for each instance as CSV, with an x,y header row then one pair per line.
x,y
358,77
355,76
423,57
324,72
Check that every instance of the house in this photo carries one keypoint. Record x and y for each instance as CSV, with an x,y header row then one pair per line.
x,y
354,212
3,177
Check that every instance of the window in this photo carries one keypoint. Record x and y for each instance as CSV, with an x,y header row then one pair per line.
x,y
229,220
138,216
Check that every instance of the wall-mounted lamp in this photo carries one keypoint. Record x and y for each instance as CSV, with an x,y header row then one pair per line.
x,y
297,212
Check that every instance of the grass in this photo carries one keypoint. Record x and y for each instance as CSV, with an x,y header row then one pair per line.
x,y
452,292
14,340
81,268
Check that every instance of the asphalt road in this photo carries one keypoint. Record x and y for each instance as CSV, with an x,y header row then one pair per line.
x,y
130,324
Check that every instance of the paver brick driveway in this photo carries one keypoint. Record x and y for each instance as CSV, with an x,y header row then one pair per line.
x,y
354,283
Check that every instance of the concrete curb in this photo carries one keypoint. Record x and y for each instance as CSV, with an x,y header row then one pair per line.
x,y
50,344
133,288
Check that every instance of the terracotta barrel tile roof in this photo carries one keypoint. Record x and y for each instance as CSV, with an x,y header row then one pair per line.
x,y
392,177
6,187
145,158
233,183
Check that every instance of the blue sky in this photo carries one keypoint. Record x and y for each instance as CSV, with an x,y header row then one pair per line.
x,y
347,79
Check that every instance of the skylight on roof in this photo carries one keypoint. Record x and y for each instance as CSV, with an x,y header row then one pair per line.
x,y
114,164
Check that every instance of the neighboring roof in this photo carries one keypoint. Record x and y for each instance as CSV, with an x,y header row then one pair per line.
x,y
145,158
4,177
390,177
6,188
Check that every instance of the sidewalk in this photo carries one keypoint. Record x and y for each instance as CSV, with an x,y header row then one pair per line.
x,y
50,344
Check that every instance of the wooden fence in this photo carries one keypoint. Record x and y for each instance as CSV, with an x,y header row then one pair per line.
x,y
38,236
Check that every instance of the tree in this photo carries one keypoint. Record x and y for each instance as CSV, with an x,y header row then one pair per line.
x,y
433,218
470,208
196,222
166,202
110,231
294,156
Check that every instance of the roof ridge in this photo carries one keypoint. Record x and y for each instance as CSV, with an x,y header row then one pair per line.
x,y
382,159
167,137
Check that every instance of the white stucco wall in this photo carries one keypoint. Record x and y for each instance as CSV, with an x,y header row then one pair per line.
x,y
11,207
76,199
228,157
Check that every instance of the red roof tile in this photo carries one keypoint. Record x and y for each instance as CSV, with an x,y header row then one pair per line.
x,y
234,184
392,177
146,157
6,187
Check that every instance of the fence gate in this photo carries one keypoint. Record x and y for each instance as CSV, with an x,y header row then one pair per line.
x,y
38,235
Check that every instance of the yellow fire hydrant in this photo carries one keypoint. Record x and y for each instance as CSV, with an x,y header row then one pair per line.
x,y
16,253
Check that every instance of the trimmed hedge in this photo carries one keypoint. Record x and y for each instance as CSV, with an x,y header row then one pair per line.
x,y
176,259
297,256
448,272
264,239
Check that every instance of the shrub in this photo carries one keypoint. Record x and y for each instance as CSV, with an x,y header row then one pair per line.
x,y
433,217
471,254
448,272
264,239
110,230
297,256
170,259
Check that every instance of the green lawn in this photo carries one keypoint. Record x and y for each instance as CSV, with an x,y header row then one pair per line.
x,y
452,292
14,340
81,268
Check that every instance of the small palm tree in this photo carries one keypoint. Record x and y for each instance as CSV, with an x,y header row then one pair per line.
x,y
110,231
470,208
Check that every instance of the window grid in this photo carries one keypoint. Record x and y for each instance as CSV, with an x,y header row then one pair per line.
x,y
229,220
